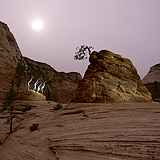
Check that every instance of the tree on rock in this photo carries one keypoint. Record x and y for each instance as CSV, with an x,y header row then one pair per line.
x,y
82,52
11,96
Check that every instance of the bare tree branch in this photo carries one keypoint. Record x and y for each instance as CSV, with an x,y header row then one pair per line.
x,y
82,52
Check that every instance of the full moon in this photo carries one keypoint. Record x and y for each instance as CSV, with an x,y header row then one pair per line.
x,y
37,25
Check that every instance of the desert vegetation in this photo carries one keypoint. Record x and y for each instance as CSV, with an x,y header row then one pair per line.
x,y
10,97
34,127
82,52
58,106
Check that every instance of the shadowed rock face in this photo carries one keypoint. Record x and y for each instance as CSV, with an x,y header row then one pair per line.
x,y
153,75
110,77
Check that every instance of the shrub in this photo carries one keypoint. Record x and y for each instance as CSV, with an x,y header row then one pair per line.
x,y
7,121
10,97
26,108
34,127
58,107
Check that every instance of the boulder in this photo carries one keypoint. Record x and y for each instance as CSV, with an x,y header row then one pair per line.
x,y
153,75
110,78
31,95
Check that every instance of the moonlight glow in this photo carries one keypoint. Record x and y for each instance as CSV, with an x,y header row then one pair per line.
x,y
37,25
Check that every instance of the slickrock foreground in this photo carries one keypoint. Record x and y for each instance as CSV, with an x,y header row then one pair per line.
x,y
84,131
110,77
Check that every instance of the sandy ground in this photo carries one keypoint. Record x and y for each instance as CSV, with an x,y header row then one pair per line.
x,y
113,131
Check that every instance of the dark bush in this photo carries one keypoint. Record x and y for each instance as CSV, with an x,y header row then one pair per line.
x,y
34,127
58,107
26,108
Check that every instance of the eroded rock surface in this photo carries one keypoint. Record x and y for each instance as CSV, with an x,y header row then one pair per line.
x,y
84,131
153,75
110,77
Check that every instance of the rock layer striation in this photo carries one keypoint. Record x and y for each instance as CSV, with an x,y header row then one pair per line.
x,y
110,77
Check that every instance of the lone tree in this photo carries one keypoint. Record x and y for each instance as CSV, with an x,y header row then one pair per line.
x,y
11,96
82,52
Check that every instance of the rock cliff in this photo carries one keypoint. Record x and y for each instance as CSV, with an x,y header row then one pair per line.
x,y
60,86
10,54
110,77
153,75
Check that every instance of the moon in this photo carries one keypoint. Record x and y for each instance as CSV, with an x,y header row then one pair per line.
x,y
37,25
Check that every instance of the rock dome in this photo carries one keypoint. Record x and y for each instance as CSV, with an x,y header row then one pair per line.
x,y
153,75
110,78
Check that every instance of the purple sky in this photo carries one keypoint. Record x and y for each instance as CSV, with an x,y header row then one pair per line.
x,y
130,28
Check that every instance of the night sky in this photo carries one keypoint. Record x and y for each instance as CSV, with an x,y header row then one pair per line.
x,y
130,28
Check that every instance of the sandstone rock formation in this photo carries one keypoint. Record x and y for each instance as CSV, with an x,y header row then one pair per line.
x,y
9,57
13,66
153,75
59,86
83,131
110,77
31,95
